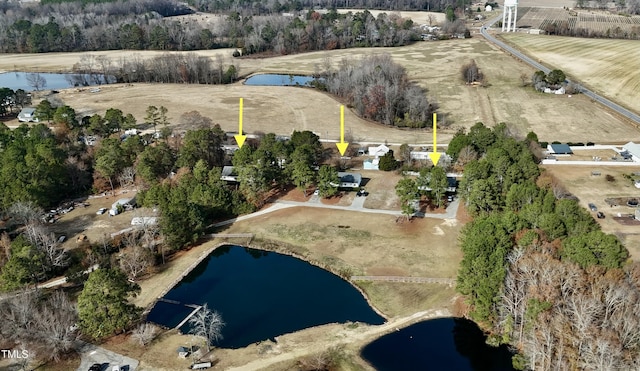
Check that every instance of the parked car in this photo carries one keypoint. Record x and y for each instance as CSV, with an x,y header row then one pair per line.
x,y
316,192
101,211
600,215
95,367
593,207
449,198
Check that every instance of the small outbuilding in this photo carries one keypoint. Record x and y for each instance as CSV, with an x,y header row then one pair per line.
x,y
229,174
27,114
559,149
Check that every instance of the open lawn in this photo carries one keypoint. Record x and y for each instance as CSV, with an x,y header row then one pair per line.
x,y
594,189
609,67
433,65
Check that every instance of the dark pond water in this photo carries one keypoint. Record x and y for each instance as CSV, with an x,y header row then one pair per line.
x,y
438,344
18,80
279,80
261,295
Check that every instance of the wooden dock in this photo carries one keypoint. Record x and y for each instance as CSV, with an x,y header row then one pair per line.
x,y
198,307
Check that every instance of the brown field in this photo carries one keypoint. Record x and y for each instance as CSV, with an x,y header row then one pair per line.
x,y
594,20
434,65
609,67
594,189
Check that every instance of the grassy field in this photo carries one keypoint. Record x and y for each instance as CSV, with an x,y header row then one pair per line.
x,y
433,65
609,67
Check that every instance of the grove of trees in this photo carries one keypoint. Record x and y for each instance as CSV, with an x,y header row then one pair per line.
x,y
379,89
537,270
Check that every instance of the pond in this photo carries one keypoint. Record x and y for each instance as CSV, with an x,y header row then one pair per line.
x,y
279,80
18,80
261,295
438,344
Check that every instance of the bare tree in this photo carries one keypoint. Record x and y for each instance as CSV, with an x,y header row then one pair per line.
x,y
194,120
145,333
46,325
46,242
207,324
25,212
127,176
36,81
135,261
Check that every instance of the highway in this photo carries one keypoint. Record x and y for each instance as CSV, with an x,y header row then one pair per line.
x,y
615,107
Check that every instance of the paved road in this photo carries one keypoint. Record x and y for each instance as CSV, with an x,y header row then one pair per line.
x,y
617,108
91,354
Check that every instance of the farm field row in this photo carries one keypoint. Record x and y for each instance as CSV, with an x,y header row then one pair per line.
x,y
609,67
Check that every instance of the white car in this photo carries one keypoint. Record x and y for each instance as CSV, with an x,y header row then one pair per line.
x,y
316,192
101,211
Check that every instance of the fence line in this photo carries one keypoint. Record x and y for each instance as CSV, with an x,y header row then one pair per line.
x,y
405,279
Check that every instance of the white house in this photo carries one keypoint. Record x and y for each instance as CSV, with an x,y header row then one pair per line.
x,y
348,180
378,151
634,150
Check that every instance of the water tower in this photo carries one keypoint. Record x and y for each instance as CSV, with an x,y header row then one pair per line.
x,y
509,15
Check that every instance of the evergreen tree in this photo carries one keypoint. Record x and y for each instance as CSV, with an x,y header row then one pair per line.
x,y
103,308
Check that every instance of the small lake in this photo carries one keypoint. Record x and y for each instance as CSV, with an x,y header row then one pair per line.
x,y
438,344
261,295
279,80
18,80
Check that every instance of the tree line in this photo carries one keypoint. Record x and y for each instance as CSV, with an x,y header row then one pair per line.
x,y
537,270
247,7
143,24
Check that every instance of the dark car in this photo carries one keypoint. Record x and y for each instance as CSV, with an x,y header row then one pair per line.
x,y
593,207
600,215
95,367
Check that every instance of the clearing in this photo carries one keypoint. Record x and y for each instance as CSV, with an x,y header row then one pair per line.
x,y
595,189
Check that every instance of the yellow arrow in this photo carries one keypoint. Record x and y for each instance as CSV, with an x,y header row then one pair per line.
x,y
435,156
240,138
342,146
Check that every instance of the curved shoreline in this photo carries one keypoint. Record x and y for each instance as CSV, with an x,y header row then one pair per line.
x,y
279,250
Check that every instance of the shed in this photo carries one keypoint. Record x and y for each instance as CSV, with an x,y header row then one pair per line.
x,y
371,164
183,352
144,220
559,149
27,114
229,174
